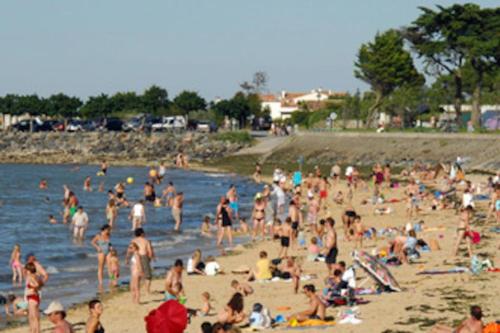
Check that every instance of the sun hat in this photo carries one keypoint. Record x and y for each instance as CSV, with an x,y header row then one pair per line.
x,y
258,196
54,307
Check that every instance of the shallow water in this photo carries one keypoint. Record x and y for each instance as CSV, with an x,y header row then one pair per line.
x,y
24,211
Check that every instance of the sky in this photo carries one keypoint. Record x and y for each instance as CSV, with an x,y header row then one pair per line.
x,y
85,48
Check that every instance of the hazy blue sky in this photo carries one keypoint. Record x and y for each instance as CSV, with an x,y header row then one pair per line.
x,y
87,47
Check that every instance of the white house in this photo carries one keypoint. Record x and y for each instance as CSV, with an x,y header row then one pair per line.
x,y
282,105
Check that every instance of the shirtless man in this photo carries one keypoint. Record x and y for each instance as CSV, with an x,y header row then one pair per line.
x,y
464,229
286,233
473,324
331,249
56,314
296,216
172,279
147,255
177,210
316,308
137,215
149,192
323,186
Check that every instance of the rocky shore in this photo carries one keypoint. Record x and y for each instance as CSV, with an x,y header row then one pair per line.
x,y
119,147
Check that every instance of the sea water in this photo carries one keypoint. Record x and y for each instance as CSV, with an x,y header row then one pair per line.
x,y
24,211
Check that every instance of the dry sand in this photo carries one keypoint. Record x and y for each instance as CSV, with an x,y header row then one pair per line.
x,y
424,301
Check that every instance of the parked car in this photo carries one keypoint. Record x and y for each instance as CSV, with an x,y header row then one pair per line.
x,y
75,126
89,125
133,124
170,123
113,124
206,127
262,123
24,125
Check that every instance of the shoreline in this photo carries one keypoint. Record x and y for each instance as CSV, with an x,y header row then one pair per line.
x,y
281,291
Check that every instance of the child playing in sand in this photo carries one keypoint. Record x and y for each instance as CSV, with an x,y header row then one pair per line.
x,y
207,306
113,268
205,227
359,231
313,250
15,263
241,287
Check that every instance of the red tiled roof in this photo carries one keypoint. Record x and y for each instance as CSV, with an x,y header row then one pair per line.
x,y
268,98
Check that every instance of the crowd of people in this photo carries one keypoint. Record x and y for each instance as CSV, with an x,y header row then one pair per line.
x,y
292,212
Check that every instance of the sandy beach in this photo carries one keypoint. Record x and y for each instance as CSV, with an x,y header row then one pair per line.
x,y
425,299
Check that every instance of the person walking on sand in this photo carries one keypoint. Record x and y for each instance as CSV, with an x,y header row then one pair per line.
x,y
177,210
56,314
138,215
146,254
101,242
172,279
80,223
286,233
16,265
331,250
463,230
296,216
224,222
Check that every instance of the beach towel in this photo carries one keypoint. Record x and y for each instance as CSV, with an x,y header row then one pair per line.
x,y
446,271
311,323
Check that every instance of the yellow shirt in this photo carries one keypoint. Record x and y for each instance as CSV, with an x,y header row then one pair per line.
x,y
263,270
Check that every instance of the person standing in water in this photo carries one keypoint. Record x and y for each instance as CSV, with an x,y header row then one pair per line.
x,y
224,222
86,184
169,194
177,210
101,242
104,167
111,212
138,215
232,196
146,254
17,268
80,222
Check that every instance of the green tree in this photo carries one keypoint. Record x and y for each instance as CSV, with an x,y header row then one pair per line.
x,y
452,38
188,101
385,66
126,102
97,106
155,100
63,106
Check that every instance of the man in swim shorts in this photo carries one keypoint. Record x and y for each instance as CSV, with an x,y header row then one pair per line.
x,y
316,308
177,210
331,250
146,253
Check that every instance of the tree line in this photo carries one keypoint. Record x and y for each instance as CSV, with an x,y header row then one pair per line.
x,y
459,47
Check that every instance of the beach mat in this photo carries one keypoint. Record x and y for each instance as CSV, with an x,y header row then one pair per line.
x,y
456,270
308,324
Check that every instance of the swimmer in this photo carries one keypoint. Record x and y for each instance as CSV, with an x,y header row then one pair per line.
x,y
205,227
52,219
86,184
43,185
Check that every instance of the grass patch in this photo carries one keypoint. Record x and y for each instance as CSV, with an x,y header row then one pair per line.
x,y
242,137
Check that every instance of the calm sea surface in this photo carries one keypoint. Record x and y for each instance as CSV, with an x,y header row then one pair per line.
x,y
24,211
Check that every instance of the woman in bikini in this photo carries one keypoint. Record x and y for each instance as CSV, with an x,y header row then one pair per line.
x,y
15,263
463,230
101,242
32,296
259,216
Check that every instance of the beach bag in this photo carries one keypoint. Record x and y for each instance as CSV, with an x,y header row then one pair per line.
x,y
171,317
434,245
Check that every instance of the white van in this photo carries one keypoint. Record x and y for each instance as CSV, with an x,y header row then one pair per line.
x,y
170,123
